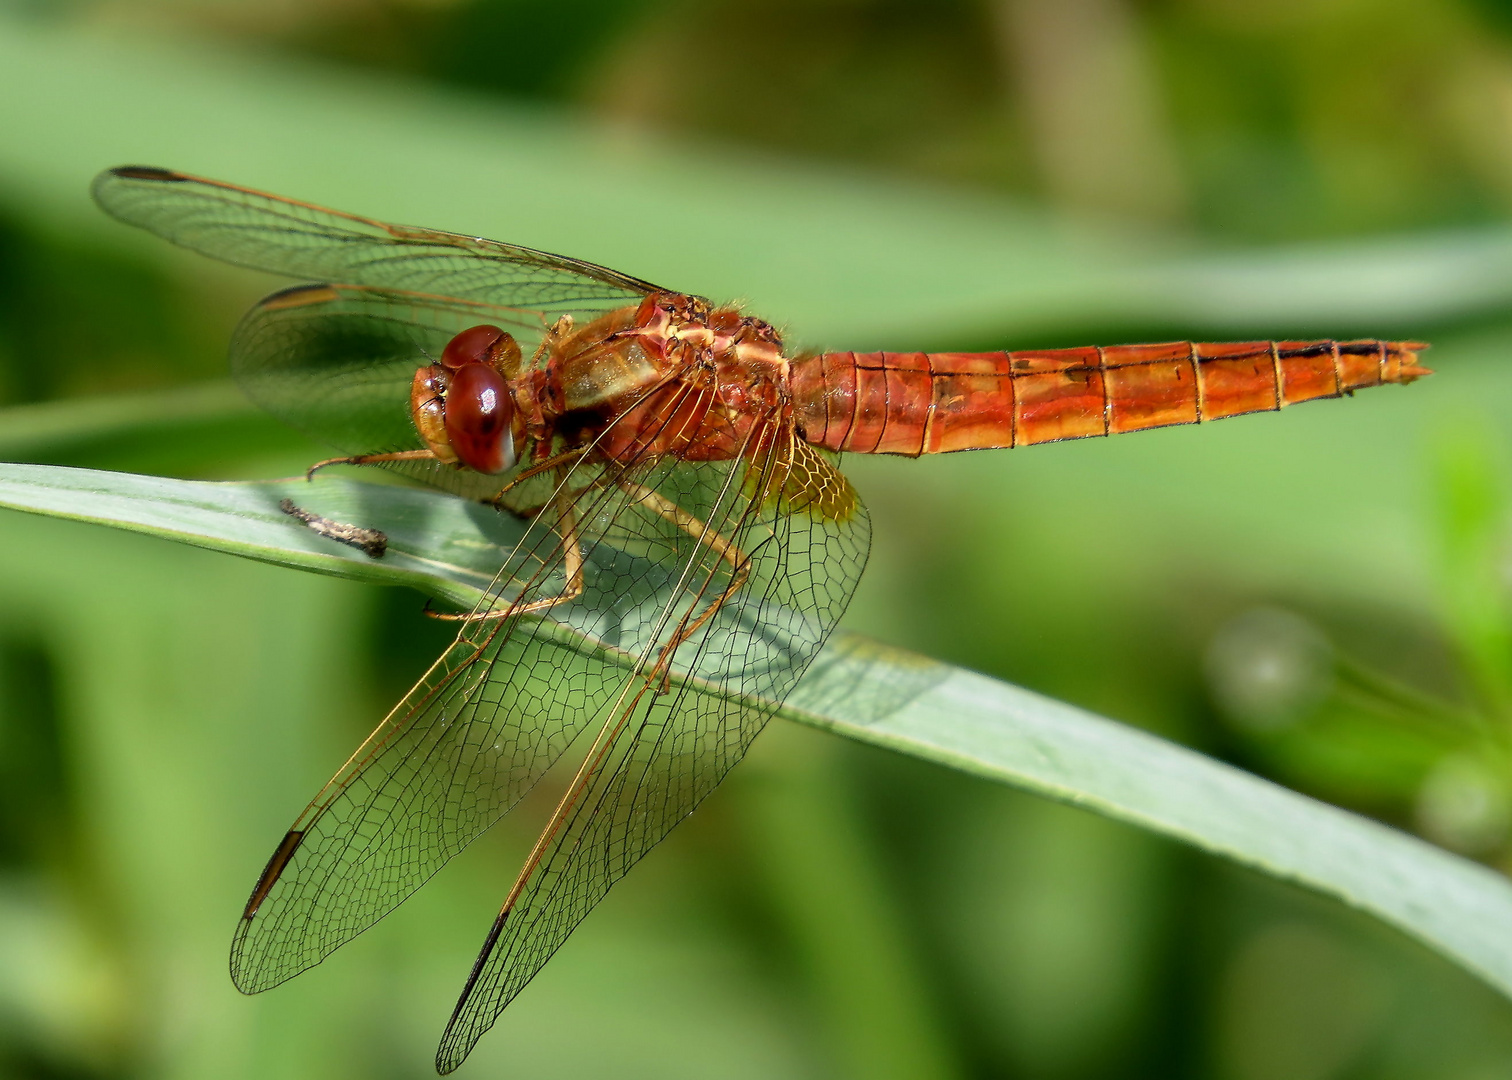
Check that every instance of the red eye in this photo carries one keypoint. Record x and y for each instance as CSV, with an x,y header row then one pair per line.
x,y
478,414
471,346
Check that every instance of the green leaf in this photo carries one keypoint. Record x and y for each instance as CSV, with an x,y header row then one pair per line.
x,y
868,692
445,547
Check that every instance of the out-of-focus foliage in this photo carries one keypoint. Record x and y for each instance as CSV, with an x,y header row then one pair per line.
x,y
1318,596
1248,118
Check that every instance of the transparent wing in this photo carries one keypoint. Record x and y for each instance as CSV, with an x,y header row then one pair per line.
x,y
491,716
336,362
665,743
468,741
283,236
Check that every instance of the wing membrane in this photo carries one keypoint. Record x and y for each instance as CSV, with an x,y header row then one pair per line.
x,y
660,754
472,737
468,741
495,711
268,232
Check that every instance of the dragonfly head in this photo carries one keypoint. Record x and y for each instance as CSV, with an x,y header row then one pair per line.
x,y
463,407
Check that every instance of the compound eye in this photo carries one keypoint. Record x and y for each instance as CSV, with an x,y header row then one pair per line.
x,y
472,346
479,415
428,410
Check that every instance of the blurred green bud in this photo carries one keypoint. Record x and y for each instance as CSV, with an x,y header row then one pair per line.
x,y
1267,668
1464,805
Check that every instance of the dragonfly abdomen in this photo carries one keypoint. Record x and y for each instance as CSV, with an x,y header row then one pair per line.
x,y
931,403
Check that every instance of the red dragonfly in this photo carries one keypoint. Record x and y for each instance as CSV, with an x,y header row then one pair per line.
x,y
690,543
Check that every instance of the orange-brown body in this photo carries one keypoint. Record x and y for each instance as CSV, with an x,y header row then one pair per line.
x,y
931,403
675,376
672,376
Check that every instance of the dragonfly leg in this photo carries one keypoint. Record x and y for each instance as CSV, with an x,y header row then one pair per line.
x,y
371,459
721,545
564,458
572,558
555,332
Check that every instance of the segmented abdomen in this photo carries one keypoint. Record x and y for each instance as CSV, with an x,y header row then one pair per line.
x,y
931,403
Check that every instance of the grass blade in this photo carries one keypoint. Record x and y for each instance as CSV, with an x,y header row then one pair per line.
x,y
867,692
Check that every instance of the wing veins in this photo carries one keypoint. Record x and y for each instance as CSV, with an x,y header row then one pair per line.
x,y
602,785
438,696
180,204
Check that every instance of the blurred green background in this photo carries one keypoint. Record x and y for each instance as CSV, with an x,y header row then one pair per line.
x,y
1319,596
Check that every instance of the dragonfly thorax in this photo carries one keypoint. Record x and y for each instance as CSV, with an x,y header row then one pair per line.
x,y
673,375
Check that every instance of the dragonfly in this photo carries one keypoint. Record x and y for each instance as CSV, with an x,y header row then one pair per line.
x,y
688,541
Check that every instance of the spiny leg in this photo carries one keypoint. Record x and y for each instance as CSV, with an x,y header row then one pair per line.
x,y
567,457
555,332
371,459
722,546
572,558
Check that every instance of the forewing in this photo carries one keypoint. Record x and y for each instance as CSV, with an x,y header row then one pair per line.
x,y
337,361
664,745
268,232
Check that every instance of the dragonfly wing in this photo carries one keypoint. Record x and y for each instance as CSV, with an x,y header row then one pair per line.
x,y
659,755
283,236
472,737
337,361
491,716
